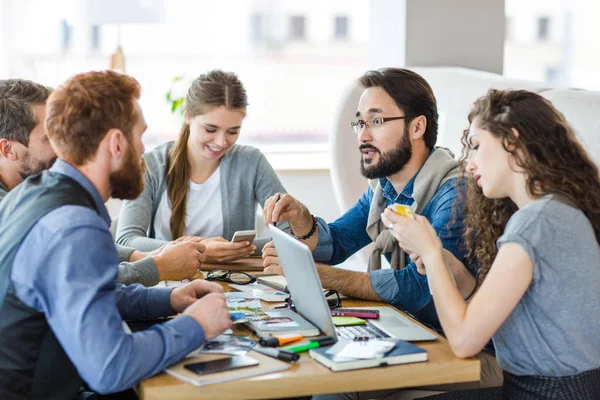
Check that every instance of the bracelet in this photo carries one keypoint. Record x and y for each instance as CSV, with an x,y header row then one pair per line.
x,y
309,234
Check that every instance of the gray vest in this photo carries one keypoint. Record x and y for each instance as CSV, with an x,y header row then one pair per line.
x,y
33,364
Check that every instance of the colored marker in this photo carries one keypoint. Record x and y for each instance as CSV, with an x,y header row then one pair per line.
x,y
276,353
313,344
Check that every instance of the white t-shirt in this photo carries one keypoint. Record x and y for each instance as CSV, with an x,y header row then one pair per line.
x,y
204,214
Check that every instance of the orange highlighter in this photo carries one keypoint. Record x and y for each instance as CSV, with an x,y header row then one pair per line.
x,y
276,341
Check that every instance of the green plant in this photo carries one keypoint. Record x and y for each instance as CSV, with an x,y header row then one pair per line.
x,y
175,96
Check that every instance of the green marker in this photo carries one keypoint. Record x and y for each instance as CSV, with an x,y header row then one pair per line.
x,y
303,347
313,344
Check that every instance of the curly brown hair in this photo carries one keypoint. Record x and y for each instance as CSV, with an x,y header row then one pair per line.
x,y
83,109
545,148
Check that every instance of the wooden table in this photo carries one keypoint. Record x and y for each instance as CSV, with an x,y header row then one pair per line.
x,y
249,264
308,377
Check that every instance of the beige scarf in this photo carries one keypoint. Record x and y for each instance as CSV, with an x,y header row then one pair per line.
x,y
437,170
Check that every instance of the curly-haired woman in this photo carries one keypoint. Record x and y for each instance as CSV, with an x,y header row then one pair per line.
x,y
533,223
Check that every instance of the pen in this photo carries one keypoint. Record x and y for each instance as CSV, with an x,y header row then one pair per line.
x,y
313,344
278,197
276,353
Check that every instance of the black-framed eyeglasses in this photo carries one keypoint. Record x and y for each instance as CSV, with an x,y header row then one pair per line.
x,y
332,297
375,122
225,275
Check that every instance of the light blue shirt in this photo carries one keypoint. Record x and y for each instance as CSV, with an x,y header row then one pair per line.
x,y
66,268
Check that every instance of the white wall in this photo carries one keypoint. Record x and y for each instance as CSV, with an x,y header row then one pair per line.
x,y
458,33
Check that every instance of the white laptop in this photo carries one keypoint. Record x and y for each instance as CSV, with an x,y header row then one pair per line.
x,y
305,287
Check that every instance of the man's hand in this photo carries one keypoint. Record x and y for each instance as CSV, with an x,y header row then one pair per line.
x,y
212,314
186,295
270,259
179,260
451,261
283,207
219,250
418,263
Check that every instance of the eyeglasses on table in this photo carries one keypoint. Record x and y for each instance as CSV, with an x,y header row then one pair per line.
x,y
225,275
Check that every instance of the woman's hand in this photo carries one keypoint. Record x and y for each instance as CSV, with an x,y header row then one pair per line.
x,y
219,250
415,236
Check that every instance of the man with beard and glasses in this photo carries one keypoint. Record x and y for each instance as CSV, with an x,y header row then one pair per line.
x,y
62,310
25,150
397,123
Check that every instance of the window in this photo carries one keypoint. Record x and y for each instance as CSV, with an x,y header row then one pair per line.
x,y
256,28
280,62
65,35
543,28
340,29
553,75
297,27
95,42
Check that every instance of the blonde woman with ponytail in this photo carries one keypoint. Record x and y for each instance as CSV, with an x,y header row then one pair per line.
x,y
204,186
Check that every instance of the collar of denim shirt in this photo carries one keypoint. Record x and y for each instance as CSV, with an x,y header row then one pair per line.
x,y
406,195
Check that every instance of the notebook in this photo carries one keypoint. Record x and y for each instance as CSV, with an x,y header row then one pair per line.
x,y
402,353
266,365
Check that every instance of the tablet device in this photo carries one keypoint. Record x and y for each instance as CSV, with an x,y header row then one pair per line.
x,y
223,364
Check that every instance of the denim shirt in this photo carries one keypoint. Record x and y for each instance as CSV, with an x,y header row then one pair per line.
x,y
405,289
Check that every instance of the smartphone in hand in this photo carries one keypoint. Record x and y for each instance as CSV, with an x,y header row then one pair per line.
x,y
244,236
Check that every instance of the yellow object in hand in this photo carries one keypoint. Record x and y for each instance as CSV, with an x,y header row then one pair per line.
x,y
402,210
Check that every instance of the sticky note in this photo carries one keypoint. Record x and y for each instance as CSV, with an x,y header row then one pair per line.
x,y
347,321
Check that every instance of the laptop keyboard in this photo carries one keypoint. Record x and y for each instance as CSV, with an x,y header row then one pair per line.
x,y
361,331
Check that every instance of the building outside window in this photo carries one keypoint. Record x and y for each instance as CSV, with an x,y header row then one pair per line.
x,y
281,76
256,28
543,29
553,41
340,30
297,27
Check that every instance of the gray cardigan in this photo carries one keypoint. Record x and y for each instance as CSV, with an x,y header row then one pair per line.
x,y
142,271
247,179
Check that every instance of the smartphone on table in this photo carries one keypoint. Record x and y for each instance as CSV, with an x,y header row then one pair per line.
x,y
220,365
244,236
